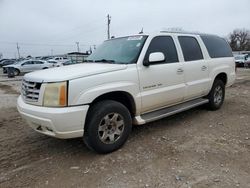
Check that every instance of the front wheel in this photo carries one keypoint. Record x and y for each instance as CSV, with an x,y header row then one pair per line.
x,y
216,95
108,126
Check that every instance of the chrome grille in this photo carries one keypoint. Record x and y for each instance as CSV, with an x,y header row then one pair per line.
x,y
30,91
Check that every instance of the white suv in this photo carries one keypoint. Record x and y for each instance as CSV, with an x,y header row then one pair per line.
x,y
128,80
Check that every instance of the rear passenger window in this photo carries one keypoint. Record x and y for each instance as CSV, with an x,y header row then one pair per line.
x,y
190,48
217,47
164,44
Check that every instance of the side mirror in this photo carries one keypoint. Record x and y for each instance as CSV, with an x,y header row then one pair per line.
x,y
155,57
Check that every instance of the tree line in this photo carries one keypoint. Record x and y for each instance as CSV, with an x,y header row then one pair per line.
x,y
239,40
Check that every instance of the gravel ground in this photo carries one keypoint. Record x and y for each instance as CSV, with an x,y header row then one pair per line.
x,y
196,148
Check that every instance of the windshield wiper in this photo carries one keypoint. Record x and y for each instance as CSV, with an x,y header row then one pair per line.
x,y
86,60
105,60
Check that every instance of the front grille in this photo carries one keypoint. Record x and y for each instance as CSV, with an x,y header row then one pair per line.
x,y
30,91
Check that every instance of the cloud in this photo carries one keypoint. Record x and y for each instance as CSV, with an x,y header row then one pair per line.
x,y
42,25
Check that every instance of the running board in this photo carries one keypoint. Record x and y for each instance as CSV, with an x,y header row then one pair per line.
x,y
165,112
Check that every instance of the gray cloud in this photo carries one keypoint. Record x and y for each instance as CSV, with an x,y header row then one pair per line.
x,y
42,25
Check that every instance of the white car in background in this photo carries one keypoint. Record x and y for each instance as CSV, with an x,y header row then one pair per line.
x,y
241,59
28,66
58,61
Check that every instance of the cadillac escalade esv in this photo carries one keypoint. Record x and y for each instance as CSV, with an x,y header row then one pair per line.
x,y
127,80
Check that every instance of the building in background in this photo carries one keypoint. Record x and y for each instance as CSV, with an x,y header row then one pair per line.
x,y
78,57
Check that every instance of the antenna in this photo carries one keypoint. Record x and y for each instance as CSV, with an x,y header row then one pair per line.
x,y
141,32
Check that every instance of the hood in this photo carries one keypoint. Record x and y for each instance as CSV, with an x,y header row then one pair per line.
x,y
72,72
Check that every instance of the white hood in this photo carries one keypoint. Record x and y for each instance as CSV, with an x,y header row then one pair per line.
x,y
72,72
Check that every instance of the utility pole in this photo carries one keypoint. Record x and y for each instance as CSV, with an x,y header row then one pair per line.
x,y
17,47
90,50
109,21
77,45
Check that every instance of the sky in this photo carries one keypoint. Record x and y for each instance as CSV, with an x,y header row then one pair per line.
x,y
45,27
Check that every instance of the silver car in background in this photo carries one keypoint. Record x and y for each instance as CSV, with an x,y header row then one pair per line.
x,y
28,66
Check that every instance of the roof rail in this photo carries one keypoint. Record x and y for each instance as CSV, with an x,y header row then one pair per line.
x,y
182,32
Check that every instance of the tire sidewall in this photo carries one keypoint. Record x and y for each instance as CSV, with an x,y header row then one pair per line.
x,y
95,115
212,104
16,72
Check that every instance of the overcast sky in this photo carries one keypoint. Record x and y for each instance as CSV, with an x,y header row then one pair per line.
x,y
42,27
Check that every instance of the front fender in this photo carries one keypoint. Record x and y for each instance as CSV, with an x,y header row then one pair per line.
x,y
87,96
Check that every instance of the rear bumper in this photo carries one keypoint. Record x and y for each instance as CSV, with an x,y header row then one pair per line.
x,y
62,123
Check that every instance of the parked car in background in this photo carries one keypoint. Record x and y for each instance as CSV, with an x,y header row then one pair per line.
x,y
247,63
53,62
2,60
240,60
58,61
70,62
60,58
28,66
7,62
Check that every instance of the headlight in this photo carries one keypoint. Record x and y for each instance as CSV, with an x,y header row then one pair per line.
x,y
55,95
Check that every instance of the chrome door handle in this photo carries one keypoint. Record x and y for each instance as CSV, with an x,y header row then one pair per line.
x,y
180,71
203,68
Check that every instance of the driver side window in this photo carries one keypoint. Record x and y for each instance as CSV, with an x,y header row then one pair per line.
x,y
164,44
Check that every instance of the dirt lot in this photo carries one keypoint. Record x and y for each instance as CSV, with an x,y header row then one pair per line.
x,y
197,148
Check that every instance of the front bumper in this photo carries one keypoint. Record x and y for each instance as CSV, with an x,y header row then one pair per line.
x,y
67,122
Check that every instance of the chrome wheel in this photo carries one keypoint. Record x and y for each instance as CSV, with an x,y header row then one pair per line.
x,y
218,95
111,128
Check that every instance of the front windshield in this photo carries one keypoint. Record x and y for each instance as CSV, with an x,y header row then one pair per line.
x,y
120,51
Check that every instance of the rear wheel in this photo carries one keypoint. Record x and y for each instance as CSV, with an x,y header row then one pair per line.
x,y
16,72
216,95
107,127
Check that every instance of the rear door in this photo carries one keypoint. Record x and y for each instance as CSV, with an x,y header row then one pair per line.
x,y
161,84
38,65
195,67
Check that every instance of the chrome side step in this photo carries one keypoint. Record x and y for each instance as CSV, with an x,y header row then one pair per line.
x,y
165,112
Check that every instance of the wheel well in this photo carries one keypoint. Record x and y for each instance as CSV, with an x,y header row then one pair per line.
x,y
222,77
120,96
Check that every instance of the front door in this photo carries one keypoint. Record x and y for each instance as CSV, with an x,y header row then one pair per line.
x,y
161,84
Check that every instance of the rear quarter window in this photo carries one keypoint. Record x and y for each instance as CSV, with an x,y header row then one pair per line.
x,y
217,47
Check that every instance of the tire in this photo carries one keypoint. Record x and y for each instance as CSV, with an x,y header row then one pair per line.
x,y
16,72
216,95
107,128
45,68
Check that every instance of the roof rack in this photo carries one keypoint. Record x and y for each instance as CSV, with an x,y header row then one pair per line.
x,y
182,32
